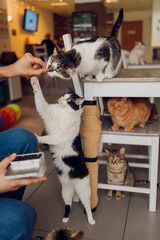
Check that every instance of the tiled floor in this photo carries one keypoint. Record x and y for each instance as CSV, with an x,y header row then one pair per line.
x,y
126,219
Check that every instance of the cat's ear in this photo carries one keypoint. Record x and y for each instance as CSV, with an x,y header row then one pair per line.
x,y
77,236
57,50
122,151
79,101
75,58
124,99
108,152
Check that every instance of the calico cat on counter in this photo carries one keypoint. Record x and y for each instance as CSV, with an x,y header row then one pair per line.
x,y
118,172
128,112
62,122
100,56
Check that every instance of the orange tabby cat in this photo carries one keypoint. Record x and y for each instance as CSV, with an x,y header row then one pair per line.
x,y
128,112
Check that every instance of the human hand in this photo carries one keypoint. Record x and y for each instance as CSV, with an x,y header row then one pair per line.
x,y
7,185
28,65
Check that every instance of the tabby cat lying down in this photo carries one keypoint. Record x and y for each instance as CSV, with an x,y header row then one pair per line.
x,y
128,112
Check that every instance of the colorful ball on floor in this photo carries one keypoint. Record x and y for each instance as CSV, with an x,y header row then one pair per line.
x,y
9,115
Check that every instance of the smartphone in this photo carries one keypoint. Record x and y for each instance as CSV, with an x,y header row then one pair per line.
x,y
27,165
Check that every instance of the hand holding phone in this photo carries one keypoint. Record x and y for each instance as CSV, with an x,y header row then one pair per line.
x,y
7,185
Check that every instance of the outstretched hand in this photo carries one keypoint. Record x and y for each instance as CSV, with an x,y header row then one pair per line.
x,y
7,185
28,65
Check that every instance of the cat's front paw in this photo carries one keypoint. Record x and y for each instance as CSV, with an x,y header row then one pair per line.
x,y
128,128
88,77
38,138
108,197
115,127
35,83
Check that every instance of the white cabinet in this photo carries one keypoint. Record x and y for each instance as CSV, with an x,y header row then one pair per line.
x,y
15,88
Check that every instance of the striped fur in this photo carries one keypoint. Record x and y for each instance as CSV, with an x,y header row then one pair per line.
x,y
118,172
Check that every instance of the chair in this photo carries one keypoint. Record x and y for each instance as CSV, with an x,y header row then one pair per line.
x,y
141,137
40,51
149,136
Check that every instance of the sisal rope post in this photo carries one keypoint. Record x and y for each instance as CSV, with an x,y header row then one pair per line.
x,y
91,133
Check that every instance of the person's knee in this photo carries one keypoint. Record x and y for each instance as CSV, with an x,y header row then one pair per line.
x,y
26,140
17,219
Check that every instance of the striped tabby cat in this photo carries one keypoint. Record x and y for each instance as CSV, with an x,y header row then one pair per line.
x,y
128,112
118,172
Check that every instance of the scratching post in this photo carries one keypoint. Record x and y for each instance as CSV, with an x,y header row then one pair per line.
x,y
91,134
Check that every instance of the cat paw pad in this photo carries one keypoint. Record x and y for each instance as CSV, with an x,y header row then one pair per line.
x,y
34,82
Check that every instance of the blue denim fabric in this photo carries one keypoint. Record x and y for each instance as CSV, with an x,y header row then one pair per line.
x,y
17,219
17,140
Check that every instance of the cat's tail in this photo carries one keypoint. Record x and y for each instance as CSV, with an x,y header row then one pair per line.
x,y
141,182
144,182
117,24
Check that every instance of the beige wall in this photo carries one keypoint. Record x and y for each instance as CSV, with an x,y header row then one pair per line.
x,y
4,38
156,24
45,24
146,17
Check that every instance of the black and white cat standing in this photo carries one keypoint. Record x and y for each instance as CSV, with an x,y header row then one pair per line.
x,y
100,56
62,122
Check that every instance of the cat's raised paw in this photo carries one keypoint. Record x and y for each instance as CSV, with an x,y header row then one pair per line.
x,y
38,138
35,83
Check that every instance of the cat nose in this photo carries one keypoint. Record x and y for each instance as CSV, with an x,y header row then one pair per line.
x,y
50,69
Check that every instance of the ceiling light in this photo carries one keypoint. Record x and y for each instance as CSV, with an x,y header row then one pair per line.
x,y
10,18
112,1
59,4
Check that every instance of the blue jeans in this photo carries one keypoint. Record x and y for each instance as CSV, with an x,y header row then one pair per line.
x,y
17,218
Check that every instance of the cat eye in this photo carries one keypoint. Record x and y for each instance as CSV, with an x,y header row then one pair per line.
x,y
68,100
